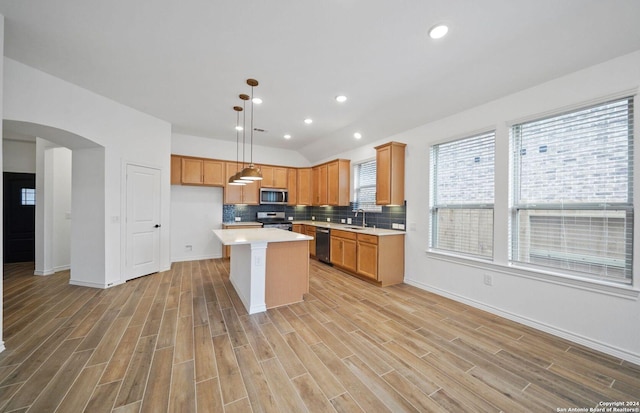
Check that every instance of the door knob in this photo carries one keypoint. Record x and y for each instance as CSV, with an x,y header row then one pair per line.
x,y
157,226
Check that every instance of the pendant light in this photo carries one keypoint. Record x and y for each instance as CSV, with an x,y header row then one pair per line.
x,y
238,176
251,172
234,179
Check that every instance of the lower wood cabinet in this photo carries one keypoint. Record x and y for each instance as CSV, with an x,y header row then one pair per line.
x,y
367,256
310,230
299,228
381,259
343,249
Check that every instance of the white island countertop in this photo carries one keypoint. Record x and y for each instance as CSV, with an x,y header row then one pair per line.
x,y
253,235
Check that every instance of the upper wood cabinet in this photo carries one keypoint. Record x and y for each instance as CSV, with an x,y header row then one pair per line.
x,y
305,187
240,194
292,186
176,170
274,177
196,171
390,173
331,183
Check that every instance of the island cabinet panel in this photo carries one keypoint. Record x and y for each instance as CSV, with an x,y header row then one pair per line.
x,y
390,173
176,170
292,186
287,278
310,230
343,249
305,187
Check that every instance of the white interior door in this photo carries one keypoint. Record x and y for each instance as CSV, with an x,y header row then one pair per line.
x,y
142,221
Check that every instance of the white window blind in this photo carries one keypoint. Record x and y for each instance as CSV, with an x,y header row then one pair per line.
x,y
572,195
462,195
365,187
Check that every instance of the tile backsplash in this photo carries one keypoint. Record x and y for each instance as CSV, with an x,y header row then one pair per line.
x,y
385,219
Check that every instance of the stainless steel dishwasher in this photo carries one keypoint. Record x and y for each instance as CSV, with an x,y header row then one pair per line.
x,y
323,244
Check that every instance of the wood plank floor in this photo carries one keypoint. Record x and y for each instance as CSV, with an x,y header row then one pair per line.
x,y
181,341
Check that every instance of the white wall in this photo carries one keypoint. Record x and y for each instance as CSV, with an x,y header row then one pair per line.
x,y
219,149
18,156
602,318
120,135
195,212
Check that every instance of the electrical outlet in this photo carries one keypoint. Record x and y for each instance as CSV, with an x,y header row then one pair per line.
x,y
238,219
328,219
349,221
401,226
290,218
488,279
188,247
342,221
394,226
313,218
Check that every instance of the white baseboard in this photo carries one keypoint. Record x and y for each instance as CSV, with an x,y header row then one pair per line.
x,y
91,284
62,268
45,272
2,347
576,338
53,270
195,258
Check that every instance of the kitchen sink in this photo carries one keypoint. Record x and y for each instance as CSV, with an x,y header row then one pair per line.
x,y
355,228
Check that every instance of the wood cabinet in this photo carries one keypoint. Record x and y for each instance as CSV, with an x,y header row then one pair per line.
x,y
343,249
299,228
240,194
305,187
331,183
381,259
292,186
390,173
226,249
187,170
273,177
320,185
310,230
176,170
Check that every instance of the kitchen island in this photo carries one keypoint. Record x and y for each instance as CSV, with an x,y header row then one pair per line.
x,y
269,266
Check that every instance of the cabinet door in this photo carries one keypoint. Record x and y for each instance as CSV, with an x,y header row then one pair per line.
x,y
349,258
251,193
383,176
213,173
191,171
337,253
267,176
279,177
232,193
299,228
305,186
333,183
320,185
367,263
292,186
176,170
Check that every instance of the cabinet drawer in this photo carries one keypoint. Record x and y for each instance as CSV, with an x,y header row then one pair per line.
x,y
343,234
371,239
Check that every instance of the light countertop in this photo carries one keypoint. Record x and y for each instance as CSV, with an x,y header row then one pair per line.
x,y
254,235
241,224
353,228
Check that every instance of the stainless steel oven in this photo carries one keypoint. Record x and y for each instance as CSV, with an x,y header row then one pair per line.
x,y
274,220
272,196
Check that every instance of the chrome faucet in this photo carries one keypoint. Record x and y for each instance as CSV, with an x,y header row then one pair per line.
x,y
363,216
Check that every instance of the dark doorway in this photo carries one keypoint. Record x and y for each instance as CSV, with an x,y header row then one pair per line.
x,y
19,216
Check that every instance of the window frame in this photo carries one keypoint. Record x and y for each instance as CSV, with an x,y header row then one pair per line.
x,y
597,207
356,187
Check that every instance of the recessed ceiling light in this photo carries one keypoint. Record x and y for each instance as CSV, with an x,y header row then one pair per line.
x,y
287,136
308,121
238,127
257,101
341,98
438,31
357,135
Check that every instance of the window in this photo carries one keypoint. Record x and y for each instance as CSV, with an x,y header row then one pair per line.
x,y
572,192
462,195
364,187
28,196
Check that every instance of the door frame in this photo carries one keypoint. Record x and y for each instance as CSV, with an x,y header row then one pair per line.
x,y
122,219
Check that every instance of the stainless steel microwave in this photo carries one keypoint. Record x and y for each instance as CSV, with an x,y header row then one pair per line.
x,y
272,196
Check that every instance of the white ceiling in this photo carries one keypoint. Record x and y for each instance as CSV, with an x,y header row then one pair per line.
x,y
186,61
